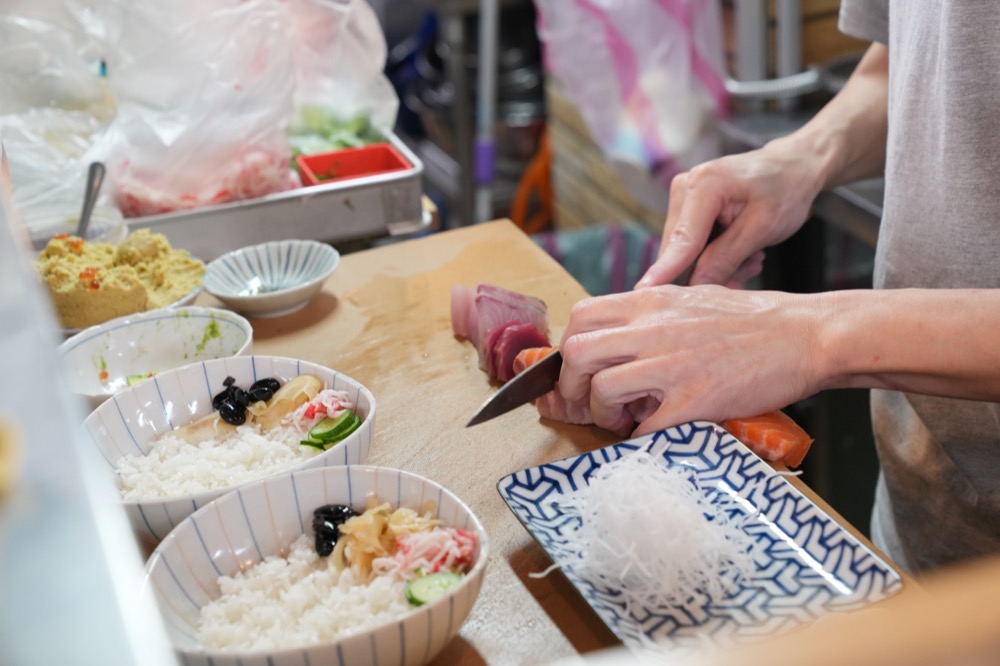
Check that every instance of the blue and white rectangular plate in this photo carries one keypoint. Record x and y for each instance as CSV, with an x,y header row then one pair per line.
x,y
806,564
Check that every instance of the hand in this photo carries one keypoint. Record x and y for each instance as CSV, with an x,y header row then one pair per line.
x,y
756,199
666,355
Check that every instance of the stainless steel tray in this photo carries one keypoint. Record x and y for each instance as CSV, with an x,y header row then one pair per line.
x,y
362,208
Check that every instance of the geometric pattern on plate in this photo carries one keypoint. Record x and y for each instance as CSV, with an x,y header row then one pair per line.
x,y
806,565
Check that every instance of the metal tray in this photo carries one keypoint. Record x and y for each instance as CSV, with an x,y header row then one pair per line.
x,y
361,208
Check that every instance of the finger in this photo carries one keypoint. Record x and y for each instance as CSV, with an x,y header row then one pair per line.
x,y
616,388
599,313
725,255
584,356
684,239
750,268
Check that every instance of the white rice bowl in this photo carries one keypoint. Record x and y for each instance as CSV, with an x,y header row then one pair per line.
x,y
129,424
262,521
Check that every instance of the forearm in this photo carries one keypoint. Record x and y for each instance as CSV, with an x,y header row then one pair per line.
x,y
932,341
846,140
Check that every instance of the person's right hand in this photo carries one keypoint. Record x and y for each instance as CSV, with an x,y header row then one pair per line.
x,y
757,199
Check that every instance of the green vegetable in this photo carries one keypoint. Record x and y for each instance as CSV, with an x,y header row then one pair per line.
x,y
319,130
426,589
135,379
332,429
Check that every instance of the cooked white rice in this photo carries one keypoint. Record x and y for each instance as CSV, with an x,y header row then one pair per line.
x,y
173,467
296,601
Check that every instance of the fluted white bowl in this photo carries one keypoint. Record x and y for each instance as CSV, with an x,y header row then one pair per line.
x,y
130,421
242,528
271,279
106,358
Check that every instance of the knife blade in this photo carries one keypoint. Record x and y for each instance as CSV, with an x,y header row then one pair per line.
x,y
531,383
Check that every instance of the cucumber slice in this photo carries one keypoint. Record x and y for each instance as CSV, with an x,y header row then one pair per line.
x,y
315,443
426,589
329,429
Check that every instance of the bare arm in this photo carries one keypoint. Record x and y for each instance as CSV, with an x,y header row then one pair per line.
x,y
848,135
935,341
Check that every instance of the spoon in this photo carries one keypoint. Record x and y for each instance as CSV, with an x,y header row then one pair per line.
x,y
95,178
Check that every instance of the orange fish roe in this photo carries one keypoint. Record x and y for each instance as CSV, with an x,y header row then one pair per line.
x,y
89,274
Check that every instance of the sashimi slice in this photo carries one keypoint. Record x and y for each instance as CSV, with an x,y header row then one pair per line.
x,y
513,339
477,312
530,356
773,436
463,312
490,365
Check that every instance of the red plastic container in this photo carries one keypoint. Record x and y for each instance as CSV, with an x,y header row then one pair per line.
x,y
348,163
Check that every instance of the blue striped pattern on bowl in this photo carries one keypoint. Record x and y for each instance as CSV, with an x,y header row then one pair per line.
x,y
130,421
260,520
273,278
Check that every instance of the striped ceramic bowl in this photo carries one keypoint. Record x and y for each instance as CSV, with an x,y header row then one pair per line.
x,y
128,424
260,520
271,279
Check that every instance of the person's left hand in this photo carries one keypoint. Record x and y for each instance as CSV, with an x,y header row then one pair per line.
x,y
657,357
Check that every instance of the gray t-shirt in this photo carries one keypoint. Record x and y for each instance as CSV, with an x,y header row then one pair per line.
x,y
938,496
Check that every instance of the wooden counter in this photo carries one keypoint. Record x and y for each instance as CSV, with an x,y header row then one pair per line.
x,y
384,319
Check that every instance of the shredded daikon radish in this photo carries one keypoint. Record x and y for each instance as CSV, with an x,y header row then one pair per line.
x,y
652,532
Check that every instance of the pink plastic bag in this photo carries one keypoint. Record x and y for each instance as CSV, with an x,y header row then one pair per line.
x,y
205,93
646,75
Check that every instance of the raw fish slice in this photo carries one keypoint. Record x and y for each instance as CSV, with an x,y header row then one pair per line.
x,y
773,436
463,312
474,313
495,306
528,357
489,359
511,341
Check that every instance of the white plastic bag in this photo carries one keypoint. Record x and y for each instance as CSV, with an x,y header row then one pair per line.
x,y
204,90
54,101
646,75
342,96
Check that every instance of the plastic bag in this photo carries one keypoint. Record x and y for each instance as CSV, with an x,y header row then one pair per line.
x,y
54,100
342,96
204,90
647,77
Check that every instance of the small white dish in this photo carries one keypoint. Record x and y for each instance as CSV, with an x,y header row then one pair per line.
x,y
106,358
271,279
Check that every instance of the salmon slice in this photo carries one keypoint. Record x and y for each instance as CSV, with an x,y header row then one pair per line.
x,y
530,356
773,436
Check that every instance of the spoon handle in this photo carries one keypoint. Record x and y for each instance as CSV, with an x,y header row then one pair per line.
x,y
95,178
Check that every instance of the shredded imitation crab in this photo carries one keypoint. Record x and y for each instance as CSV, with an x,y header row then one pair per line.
x,y
327,402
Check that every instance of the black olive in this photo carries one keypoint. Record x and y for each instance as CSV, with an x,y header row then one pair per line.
x,y
222,397
228,381
260,393
268,383
239,396
326,523
233,413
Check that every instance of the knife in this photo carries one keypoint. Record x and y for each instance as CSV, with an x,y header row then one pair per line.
x,y
533,382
